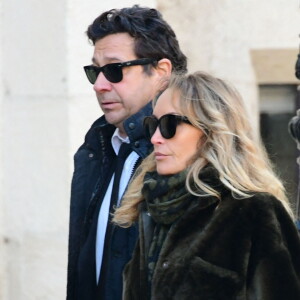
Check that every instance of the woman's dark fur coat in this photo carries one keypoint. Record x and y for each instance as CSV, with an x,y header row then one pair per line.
x,y
245,249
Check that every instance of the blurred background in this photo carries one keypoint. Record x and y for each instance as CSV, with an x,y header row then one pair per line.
x,y
47,105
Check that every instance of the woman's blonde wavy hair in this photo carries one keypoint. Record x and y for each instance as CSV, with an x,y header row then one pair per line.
x,y
230,146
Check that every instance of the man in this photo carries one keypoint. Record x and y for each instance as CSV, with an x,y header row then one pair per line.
x,y
135,51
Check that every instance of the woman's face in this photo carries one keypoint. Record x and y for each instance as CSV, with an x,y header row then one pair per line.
x,y
174,155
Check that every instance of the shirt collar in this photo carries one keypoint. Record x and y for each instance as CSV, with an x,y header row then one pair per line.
x,y
117,140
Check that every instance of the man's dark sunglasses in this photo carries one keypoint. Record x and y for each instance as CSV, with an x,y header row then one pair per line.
x,y
113,72
167,125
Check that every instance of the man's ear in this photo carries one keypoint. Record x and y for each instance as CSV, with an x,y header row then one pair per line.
x,y
164,68
163,72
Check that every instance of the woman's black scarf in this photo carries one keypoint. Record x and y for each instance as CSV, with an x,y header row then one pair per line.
x,y
167,198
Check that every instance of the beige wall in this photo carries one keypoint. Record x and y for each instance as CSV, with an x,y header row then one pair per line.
x,y
34,143
46,106
3,282
218,37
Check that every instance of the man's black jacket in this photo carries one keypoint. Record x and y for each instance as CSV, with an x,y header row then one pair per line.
x,y
92,163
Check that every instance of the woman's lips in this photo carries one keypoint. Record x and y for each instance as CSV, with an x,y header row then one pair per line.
x,y
159,155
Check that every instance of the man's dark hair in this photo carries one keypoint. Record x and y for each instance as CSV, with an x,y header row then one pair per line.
x,y
154,38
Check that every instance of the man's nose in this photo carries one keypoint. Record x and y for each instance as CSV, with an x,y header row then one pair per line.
x,y
102,84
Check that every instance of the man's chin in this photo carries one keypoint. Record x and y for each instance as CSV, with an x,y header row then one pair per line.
x,y
114,121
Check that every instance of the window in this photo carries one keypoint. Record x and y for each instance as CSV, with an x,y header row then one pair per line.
x,y
278,104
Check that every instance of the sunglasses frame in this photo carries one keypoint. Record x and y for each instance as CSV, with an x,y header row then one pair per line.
x,y
92,72
164,131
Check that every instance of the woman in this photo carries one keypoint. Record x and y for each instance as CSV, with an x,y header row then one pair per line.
x,y
214,219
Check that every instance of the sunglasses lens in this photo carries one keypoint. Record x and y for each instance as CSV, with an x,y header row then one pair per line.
x,y
167,126
150,125
113,73
91,73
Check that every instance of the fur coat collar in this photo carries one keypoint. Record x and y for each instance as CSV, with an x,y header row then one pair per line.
x,y
246,249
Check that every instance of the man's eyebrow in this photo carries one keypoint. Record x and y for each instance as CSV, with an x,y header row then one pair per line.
x,y
109,60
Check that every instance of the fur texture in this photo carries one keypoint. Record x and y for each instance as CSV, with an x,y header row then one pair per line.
x,y
245,249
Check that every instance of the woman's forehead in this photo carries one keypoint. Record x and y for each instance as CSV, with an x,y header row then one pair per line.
x,y
168,102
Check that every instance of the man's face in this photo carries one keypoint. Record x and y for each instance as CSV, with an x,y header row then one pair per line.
x,y
121,100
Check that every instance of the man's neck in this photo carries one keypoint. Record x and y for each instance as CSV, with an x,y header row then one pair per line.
x,y
121,132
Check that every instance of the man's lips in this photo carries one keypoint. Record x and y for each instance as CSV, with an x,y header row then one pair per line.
x,y
109,104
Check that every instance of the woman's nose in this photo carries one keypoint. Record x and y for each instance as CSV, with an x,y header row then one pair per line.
x,y
157,138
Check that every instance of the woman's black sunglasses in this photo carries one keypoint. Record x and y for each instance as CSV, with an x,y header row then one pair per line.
x,y
113,72
167,125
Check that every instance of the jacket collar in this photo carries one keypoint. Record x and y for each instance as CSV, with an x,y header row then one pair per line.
x,y
133,127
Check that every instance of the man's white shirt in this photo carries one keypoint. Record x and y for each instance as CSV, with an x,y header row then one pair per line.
x,y
131,160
